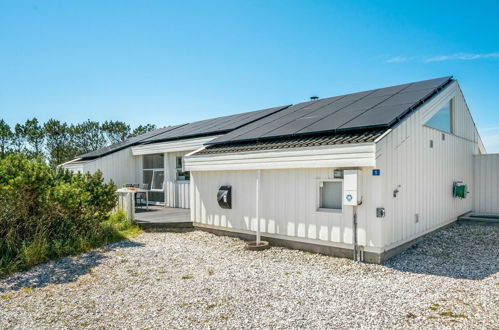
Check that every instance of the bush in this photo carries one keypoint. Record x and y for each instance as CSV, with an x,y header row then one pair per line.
x,y
47,213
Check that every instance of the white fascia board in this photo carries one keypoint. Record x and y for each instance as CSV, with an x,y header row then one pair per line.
x,y
353,155
172,146
69,162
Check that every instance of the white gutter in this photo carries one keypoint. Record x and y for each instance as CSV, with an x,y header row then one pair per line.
x,y
382,135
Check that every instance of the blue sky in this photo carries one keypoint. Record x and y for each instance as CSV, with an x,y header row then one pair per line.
x,y
170,62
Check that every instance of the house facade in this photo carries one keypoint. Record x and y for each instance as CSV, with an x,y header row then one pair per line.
x,y
368,172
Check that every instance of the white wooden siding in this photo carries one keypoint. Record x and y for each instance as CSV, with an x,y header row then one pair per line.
x,y
486,194
312,157
176,191
424,176
288,206
120,167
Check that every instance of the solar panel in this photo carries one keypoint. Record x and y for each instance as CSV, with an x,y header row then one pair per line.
x,y
368,109
127,143
213,126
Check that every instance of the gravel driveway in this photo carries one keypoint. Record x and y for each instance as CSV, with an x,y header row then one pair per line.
x,y
199,280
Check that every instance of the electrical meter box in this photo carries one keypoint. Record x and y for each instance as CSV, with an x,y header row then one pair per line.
x,y
224,197
352,192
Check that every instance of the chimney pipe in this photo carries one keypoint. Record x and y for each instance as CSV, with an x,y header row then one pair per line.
x,y
314,98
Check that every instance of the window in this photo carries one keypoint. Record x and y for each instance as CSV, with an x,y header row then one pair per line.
x,y
153,172
330,195
181,175
442,120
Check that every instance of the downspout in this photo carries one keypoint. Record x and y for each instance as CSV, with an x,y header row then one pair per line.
x,y
258,244
355,247
358,251
258,174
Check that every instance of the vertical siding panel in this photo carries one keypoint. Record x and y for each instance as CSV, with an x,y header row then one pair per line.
x,y
487,182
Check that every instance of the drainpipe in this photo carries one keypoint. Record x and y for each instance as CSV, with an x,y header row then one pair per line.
x,y
258,173
355,257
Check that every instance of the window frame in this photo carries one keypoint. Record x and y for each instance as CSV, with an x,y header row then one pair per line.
x,y
179,170
155,170
319,197
451,115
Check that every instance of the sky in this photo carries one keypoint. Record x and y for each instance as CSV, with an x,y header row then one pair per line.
x,y
171,62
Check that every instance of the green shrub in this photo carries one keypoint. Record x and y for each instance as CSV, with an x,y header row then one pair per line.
x,y
47,213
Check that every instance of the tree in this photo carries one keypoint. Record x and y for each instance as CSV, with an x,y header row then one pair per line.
x,y
116,131
87,136
141,129
6,136
18,139
35,137
58,142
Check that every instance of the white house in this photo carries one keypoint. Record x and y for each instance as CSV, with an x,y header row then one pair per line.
x,y
368,172
156,158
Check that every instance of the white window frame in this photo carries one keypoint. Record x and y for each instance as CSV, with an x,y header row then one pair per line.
x,y
319,197
152,180
180,169
451,115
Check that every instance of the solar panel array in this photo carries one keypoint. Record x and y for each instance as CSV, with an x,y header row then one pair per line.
x,y
213,126
376,108
200,128
127,143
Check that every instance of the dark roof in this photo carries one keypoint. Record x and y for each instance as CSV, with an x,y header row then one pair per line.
x,y
213,126
125,144
295,142
199,128
377,108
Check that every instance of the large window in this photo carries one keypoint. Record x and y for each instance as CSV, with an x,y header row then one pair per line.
x,y
330,195
153,176
442,120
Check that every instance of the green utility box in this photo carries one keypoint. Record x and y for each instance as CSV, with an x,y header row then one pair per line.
x,y
460,190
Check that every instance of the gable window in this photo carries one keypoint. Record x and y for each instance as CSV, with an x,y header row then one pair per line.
x,y
330,195
181,174
442,120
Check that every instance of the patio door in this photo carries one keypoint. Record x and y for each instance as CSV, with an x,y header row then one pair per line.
x,y
153,176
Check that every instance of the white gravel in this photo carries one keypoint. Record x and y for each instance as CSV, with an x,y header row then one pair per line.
x,y
199,280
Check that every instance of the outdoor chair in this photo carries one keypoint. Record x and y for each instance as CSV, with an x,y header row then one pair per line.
x,y
140,197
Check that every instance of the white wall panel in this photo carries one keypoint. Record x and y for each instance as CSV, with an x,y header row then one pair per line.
x,y
176,191
424,176
120,167
288,205
486,195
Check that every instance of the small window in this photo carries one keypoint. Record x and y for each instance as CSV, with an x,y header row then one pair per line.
x,y
442,120
181,175
330,193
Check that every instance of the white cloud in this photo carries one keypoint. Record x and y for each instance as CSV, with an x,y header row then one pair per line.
x,y
440,58
398,59
461,56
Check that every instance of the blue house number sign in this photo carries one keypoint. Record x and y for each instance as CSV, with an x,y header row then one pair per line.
x,y
376,172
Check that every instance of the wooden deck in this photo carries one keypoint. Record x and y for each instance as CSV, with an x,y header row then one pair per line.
x,y
162,215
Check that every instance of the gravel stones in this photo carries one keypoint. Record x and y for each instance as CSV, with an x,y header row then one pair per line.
x,y
198,280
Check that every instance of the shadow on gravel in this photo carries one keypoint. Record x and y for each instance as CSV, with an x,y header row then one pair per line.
x,y
63,270
462,251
